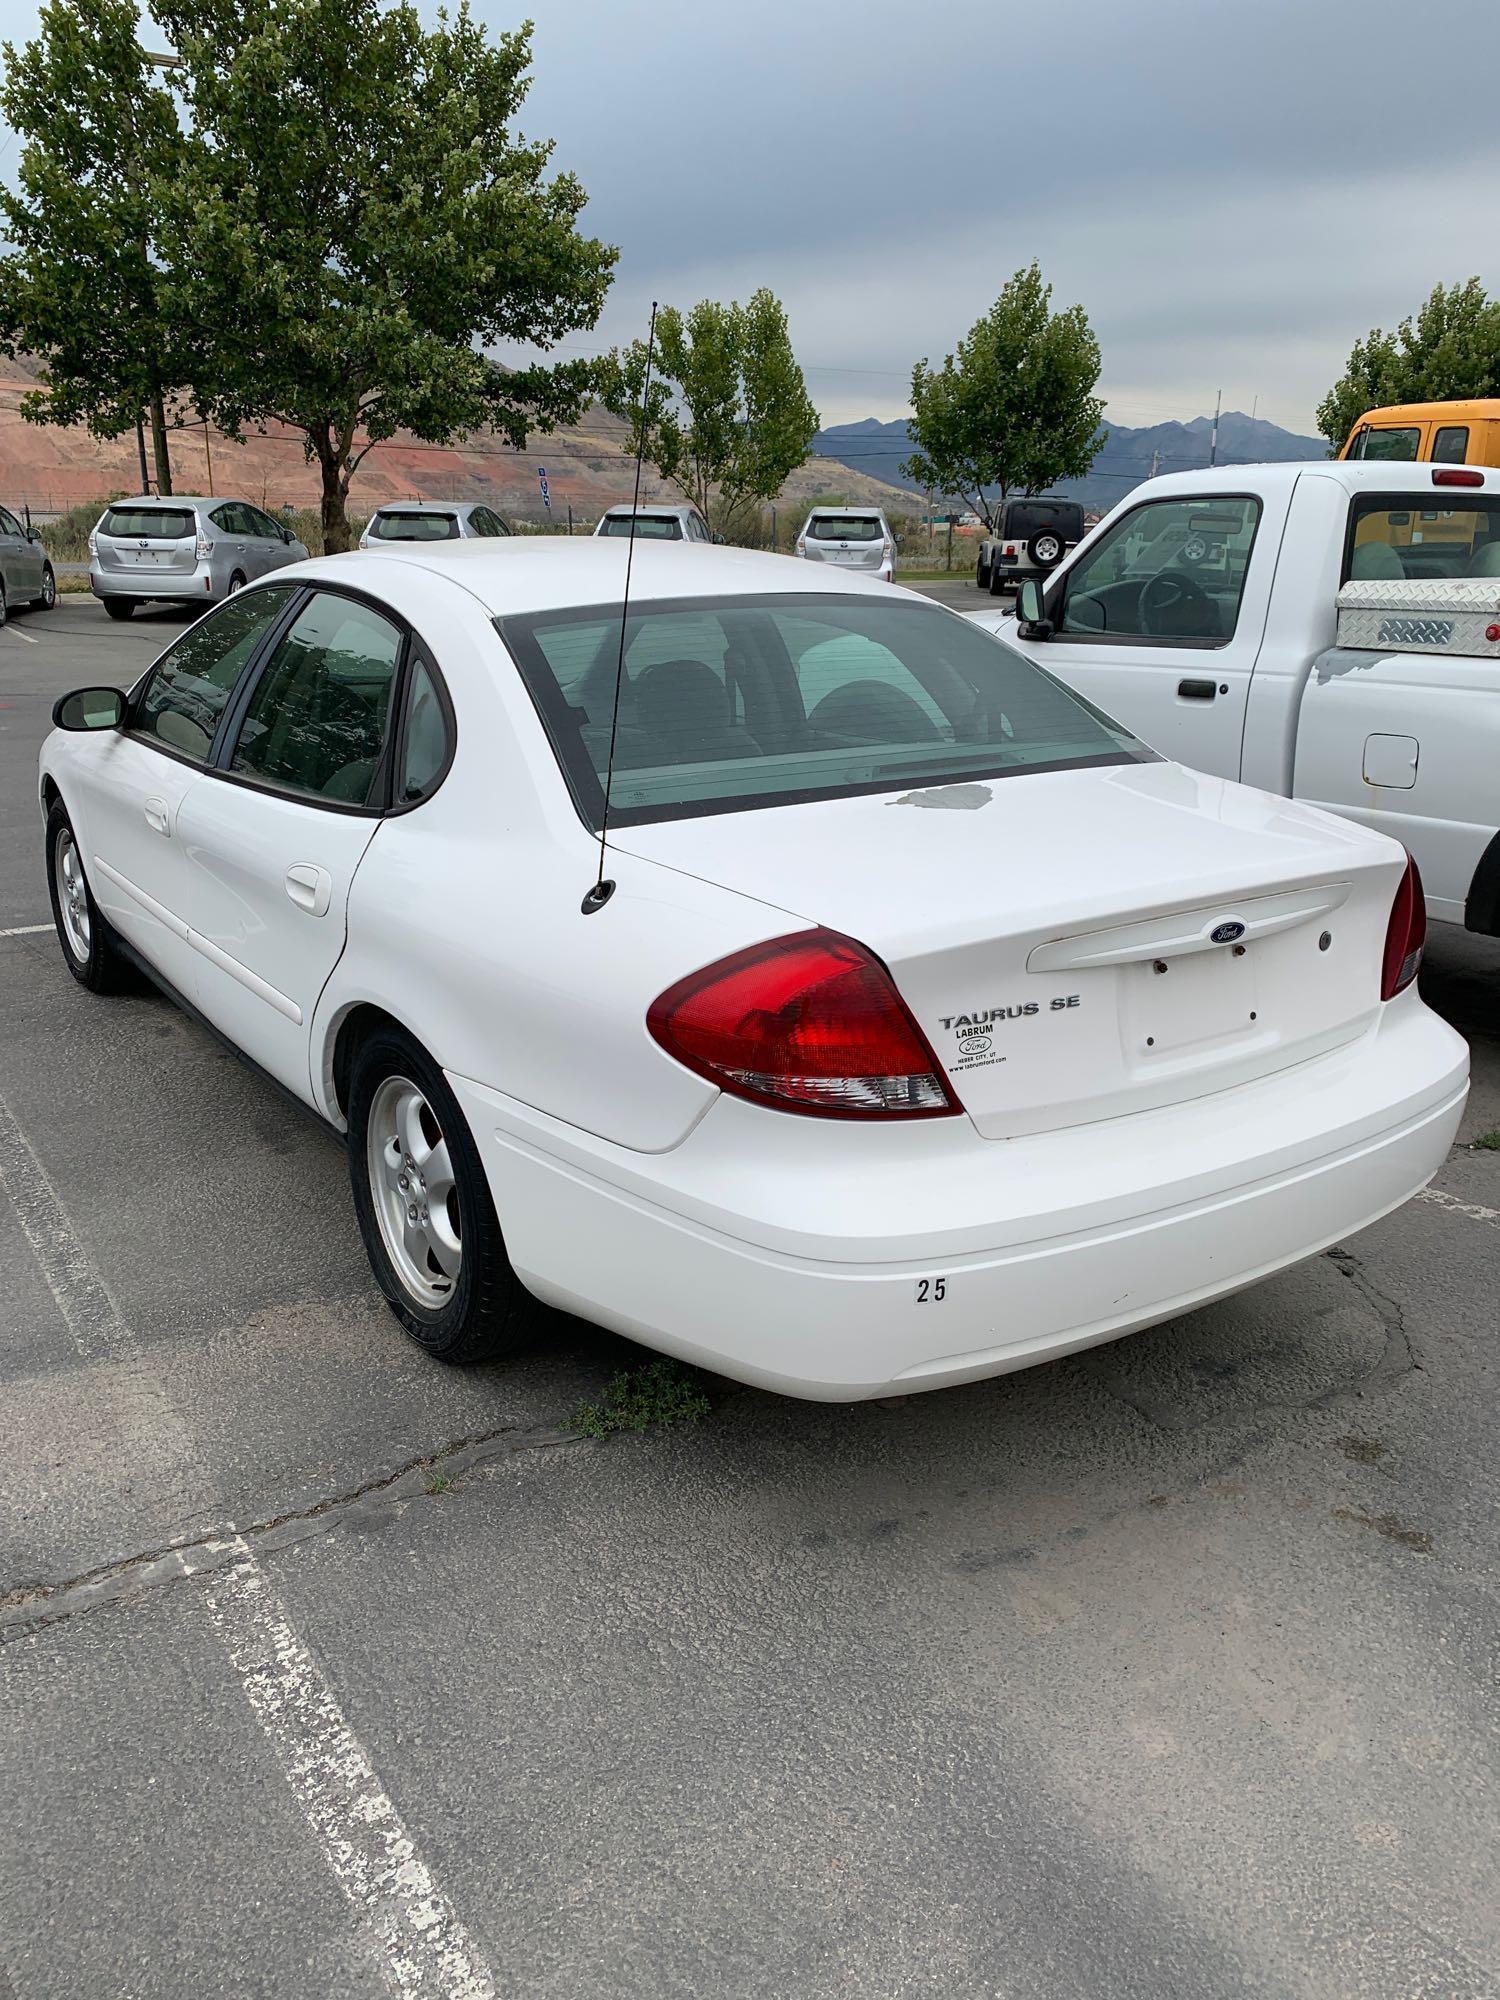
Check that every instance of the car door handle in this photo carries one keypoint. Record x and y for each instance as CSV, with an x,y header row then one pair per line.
x,y
158,818
1197,690
310,887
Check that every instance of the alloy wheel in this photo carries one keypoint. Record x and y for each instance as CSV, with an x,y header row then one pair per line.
x,y
414,1192
72,897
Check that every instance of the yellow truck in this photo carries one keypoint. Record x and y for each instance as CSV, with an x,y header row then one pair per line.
x,y
1447,433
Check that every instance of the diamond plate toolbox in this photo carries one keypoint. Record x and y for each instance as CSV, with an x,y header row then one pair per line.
x,y
1433,615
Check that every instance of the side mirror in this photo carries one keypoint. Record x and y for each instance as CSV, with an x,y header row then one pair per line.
x,y
33,534
287,535
1032,621
89,708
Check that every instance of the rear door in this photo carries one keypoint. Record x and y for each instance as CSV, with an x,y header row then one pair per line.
x,y
1160,621
275,838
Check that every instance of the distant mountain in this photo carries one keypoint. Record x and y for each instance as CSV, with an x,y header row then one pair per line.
x,y
877,449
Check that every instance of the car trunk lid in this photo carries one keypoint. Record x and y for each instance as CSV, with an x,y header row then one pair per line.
x,y
1080,944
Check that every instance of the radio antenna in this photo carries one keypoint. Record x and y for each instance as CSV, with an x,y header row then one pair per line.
x,y
603,889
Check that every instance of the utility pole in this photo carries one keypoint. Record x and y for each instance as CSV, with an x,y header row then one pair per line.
x,y
208,453
1213,443
1155,461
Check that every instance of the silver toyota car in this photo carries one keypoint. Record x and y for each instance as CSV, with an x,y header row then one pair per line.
x,y
182,546
855,537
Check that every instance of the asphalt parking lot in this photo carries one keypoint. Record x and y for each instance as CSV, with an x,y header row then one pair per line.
x,y
1166,1670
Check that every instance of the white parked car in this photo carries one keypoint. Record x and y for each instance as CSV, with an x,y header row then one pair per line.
x,y
1330,630
432,521
931,1026
857,538
654,523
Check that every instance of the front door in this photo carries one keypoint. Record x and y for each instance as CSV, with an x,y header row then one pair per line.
x,y
132,783
274,838
20,562
1160,623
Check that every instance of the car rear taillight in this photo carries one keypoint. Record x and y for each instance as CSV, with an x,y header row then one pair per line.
x,y
801,546
1405,934
203,548
1010,548
811,1022
1457,475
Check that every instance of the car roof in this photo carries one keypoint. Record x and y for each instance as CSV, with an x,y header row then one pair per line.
x,y
1355,475
651,507
532,573
183,500
428,507
854,507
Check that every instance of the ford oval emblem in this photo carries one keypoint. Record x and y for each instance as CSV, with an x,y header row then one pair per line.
x,y
1227,933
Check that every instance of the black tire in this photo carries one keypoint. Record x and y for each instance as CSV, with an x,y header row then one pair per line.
x,y
104,967
487,1307
3,610
997,581
118,607
48,599
1046,549
236,582
981,577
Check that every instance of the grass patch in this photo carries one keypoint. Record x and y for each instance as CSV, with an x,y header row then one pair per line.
x,y
439,1483
1487,1142
643,1399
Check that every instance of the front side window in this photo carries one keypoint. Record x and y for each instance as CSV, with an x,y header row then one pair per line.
x,y
414,527
157,524
192,682
648,527
1403,538
1388,444
1450,444
316,722
844,528
729,704
1172,572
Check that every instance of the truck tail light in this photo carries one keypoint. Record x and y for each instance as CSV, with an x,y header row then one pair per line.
x,y
811,1023
1457,475
1405,934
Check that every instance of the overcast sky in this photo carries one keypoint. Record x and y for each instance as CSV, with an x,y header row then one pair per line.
x,y
1235,192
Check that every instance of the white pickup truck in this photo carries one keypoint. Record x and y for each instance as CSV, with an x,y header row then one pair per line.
x,y
1329,631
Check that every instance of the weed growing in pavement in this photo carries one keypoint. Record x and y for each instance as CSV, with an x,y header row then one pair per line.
x,y
643,1399
1487,1142
439,1483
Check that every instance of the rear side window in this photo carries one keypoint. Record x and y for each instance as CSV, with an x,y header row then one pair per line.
x,y
191,683
414,527
844,528
1450,444
1396,445
426,743
166,524
316,721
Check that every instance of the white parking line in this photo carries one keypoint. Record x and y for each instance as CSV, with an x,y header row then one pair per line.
x,y
427,1951
21,635
25,930
89,1313
1451,1202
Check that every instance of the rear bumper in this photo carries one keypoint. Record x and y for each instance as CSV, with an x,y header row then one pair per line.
x,y
161,585
793,1253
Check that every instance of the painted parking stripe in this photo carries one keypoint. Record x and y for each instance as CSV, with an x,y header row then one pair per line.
x,y
426,1952
21,635
1475,1210
428,1955
88,1311
25,930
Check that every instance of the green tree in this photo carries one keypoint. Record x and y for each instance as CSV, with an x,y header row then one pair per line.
x,y
356,223
1450,348
1015,407
82,286
728,416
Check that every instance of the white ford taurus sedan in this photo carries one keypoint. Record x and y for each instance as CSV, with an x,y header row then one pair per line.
x,y
932,1025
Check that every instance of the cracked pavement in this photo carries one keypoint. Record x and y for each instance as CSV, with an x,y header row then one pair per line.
x,y
1169,1669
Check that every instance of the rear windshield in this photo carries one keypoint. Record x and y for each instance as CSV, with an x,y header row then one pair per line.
x,y
166,524
648,527
1029,517
728,704
1404,538
414,527
845,528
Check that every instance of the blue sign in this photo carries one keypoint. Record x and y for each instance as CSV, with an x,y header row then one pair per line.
x,y
541,473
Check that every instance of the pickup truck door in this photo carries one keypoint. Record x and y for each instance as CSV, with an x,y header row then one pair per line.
x,y
1160,619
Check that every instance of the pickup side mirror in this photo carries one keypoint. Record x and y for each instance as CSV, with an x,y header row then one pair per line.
x,y
89,708
1032,621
